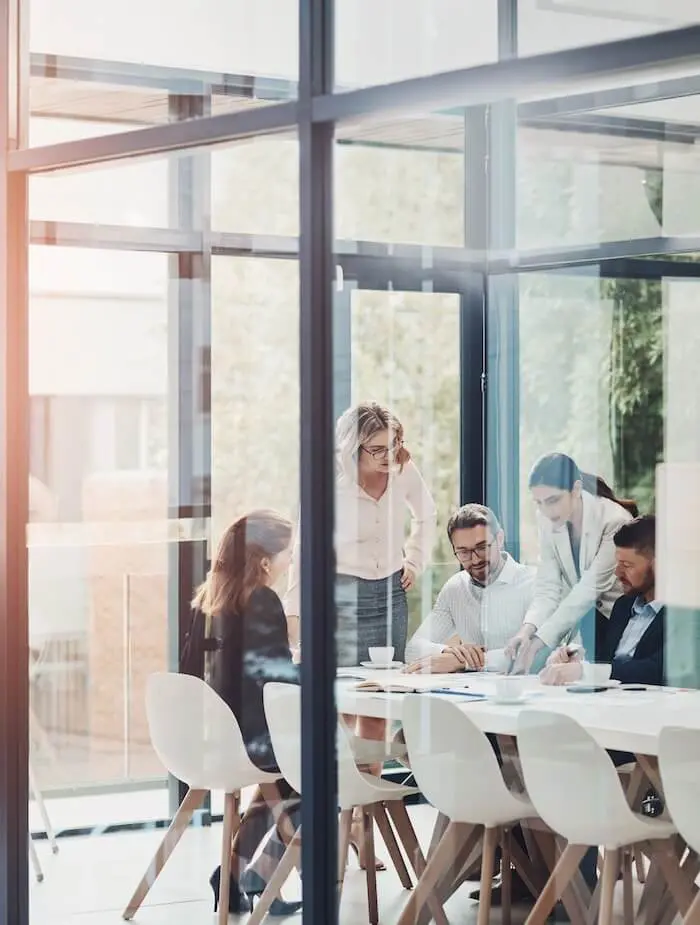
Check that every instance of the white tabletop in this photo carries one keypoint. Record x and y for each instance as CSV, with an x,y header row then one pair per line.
x,y
624,720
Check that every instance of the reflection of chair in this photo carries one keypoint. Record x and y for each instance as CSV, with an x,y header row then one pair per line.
x,y
38,733
679,761
197,738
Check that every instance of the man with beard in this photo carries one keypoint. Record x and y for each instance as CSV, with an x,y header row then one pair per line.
x,y
481,606
634,640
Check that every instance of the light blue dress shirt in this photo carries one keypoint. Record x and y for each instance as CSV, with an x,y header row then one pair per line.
x,y
643,614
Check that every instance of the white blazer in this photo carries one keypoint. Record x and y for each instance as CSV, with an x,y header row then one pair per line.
x,y
561,598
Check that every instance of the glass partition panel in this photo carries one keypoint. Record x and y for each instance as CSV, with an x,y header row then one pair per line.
x,y
397,40
552,25
96,66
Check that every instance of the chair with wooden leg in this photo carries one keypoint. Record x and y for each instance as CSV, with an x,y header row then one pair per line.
x,y
679,762
374,796
457,771
197,738
577,792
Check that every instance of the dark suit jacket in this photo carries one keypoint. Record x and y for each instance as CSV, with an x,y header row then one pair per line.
x,y
647,664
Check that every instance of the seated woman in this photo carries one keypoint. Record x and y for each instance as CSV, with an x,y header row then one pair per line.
x,y
247,630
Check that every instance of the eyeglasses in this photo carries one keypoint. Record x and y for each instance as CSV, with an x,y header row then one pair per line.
x,y
382,452
479,553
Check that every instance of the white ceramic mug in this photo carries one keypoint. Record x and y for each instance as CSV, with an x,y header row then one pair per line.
x,y
511,687
495,660
594,673
382,655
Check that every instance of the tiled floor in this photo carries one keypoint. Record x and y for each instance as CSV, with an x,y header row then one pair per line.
x,y
91,879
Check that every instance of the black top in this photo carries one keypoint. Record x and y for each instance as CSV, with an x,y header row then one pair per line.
x,y
253,649
646,666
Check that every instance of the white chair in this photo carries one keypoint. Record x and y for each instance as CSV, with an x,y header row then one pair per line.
x,y
373,795
197,738
679,763
457,770
576,790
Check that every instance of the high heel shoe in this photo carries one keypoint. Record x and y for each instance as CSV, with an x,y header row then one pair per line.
x,y
237,900
357,844
254,886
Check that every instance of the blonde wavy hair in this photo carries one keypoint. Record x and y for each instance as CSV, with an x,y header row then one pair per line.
x,y
357,426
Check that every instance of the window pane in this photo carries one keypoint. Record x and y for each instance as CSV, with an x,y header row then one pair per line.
x,y
91,63
377,44
552,25
626,172
402,181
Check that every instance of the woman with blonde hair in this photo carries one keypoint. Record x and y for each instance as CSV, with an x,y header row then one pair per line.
x,y
245,630
378,487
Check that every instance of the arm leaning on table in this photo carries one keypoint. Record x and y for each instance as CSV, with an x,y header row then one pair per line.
x,y
436,645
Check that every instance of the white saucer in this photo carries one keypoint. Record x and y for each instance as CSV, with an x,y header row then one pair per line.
x,y
507,701
381,664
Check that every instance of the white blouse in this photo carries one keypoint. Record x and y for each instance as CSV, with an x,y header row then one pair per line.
x,y
370,536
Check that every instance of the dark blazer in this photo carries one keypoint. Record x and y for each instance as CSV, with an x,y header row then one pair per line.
x,y
647,664
253,648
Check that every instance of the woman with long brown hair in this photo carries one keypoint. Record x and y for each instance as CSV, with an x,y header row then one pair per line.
x,y
247,630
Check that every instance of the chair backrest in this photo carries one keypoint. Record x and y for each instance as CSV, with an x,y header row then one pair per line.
x,y
452,760
570,778
195,734
679,761
283,714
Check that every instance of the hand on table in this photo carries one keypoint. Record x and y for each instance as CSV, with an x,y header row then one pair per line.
x,y
521,638
564,655
452,658
560,673
526,655
408,578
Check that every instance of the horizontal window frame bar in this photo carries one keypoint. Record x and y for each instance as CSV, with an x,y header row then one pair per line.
x,y
511,79
157,140
174,80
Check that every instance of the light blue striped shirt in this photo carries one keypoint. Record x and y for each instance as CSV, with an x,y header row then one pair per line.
x,y
643,614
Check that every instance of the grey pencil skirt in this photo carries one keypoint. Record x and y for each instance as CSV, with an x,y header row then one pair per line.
x,y
370,613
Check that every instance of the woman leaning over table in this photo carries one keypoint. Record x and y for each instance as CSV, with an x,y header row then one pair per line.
x,y
576,587
377,486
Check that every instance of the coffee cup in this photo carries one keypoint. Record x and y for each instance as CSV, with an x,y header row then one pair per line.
x,y
596,673
381,655
495,660
511,687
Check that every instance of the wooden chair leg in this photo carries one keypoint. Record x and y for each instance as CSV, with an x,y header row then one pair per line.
x,y
288,861
230,816
487,866
438,863
611,867
627,894
344,827
693,915
409,840
506,877
640,866
387,833
368,840
559,879
193,800
677,881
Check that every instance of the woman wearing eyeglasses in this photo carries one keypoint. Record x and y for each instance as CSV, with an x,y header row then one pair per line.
x,y
378,489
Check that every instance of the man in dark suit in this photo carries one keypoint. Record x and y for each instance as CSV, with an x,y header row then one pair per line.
x,y
634,640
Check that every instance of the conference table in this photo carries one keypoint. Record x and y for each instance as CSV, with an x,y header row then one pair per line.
x,y
620,719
